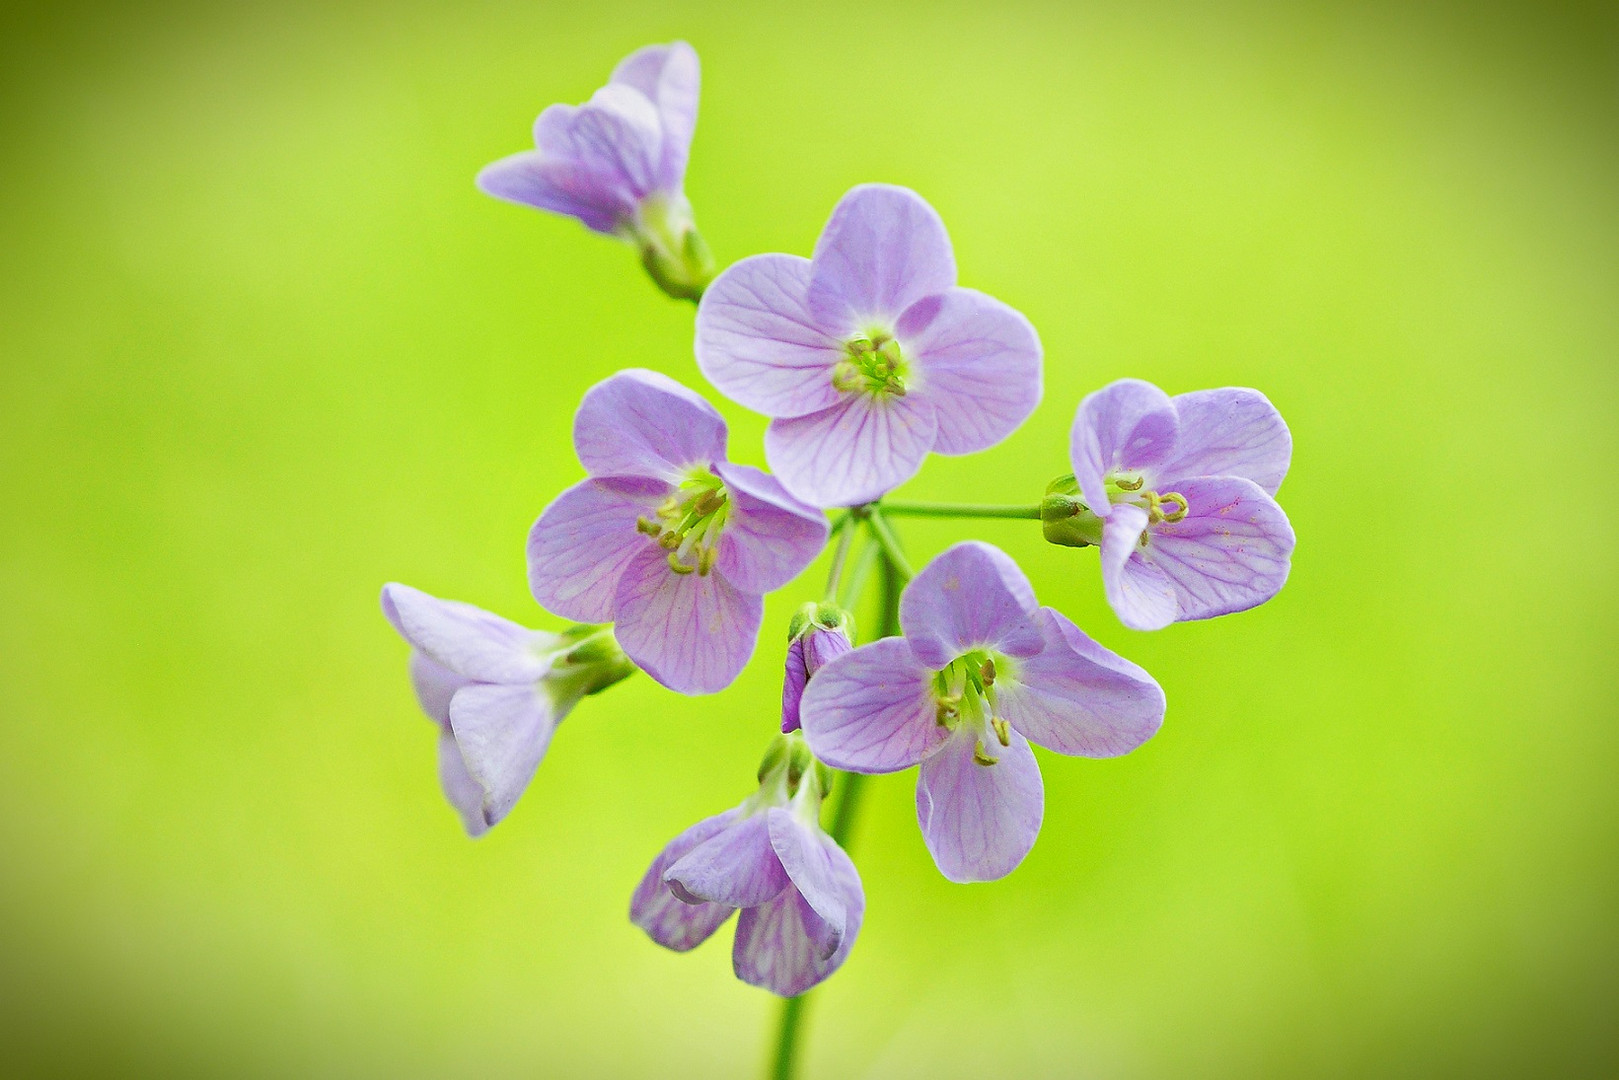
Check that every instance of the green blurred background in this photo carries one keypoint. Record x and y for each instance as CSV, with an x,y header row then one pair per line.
x,y
263,347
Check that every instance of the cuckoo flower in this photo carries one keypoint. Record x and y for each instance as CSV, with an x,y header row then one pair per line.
x,y
800,896
1179,495
497,692
618,164
868,355
817,633
665,538
981,671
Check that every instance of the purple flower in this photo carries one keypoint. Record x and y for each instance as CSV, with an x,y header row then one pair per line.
x,y
618,163
817,633
981,671
497,692
800,896
868,355
1178,494
667,539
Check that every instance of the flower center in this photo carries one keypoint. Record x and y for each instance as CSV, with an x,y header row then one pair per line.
x,y
871,364
964,693
689,522
1128,488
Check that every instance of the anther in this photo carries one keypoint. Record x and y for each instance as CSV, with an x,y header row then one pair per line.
x,y
677,566
647,525
986,671
1129,485
705,561
979,755
1181,506
1003,730
946,711
669,540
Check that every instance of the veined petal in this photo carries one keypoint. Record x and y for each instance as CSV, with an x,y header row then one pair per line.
x,y
883,249
1138,591
616,135
564,187
977,360
758,342
872,710
1126,425
736,866
979,821
971,596
464,793
692,632
1077,697
578,549
769,536
435,685
1229,432
1230,553
503,732
467,640
783,946
668,920
853,452
642,423
669,76
792,685
807,854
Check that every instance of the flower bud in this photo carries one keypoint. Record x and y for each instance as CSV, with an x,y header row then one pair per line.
x,y
817,633
1064,517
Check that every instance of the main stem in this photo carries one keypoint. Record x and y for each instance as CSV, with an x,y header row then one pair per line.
x,y
784,1062
960,510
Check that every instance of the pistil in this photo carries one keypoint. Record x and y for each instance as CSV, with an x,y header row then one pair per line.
x,y
689,523
871,364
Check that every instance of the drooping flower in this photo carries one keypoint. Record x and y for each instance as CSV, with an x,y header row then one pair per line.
x,y
618,164
1178,493
980,672
497,691
666,539
801,898
817,633
868,355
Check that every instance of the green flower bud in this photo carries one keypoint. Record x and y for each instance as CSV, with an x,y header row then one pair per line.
x,y
1064,517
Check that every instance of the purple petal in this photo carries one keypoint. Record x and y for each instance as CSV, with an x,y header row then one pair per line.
x,y
692,632
737,867
872,710
792,685
977,361
1140,594
462,791
851,453
1230,553
758,342
806,853
578,549
824,646
467,640
1229,432
971,596
641,423
503,732
1077,697
883,249
1129,425
435,685
979,821
785,947
617,136
667,919
669,76
769,537
563,187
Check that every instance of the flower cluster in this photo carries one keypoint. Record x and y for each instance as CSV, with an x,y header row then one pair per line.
x,y
865,357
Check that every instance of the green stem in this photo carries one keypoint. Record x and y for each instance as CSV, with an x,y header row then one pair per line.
x,y
856,580
785,1062
961,510
839,558
895,557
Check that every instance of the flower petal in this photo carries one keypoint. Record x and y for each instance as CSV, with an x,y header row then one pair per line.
x,y
467,640
1231,552
1077,697
971,596
736,866
783,946
692,632
1229,432
435,685
1129,425
669,77
668,920
977,360
617,136
642,423
503,732
758,342
807,854
562,187
792,685
853,452
1141,596
883,249
872,710
463,792
769,537
979,821
579,547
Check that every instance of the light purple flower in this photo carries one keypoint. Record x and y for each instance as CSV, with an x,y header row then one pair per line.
x,y
1179,495
868,355
801,898
618,162
497,691
817,633
981,671
667,539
